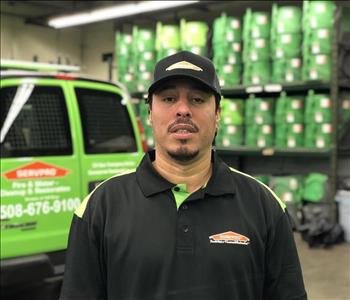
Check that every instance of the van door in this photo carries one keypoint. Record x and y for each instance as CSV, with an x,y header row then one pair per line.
x,y
39,166
112,143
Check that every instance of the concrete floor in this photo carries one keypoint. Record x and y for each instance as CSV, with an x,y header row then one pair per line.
x,y
326,271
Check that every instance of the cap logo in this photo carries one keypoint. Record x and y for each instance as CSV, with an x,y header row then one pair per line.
x,y
183,65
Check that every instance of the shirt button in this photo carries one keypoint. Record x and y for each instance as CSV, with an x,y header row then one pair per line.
x,y
184,206
185,229
176,189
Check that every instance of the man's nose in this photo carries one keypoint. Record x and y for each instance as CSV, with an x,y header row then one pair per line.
x,y
183,108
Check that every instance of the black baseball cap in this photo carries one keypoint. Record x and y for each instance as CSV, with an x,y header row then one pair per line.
x,y
186,64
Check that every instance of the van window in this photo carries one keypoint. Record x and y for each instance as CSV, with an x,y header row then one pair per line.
x,y
105,121
37,125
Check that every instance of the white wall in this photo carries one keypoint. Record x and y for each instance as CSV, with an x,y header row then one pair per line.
x,y
97,38
82,46
22,41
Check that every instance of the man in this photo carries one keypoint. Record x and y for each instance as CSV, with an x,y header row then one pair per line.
x,y
184,225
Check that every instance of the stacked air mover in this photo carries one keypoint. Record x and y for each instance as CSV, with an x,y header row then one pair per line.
x,y
123,57
194,36
318,31
286,40
230,131
143,115
318,120
144,57
289,120
226,44
288,188
259,119
168,40
345,109
256,49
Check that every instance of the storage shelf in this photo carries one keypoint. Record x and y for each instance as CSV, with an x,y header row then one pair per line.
x,y
273,88
272,151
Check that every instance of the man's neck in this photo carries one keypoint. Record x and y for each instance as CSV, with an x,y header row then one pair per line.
x,y
194,174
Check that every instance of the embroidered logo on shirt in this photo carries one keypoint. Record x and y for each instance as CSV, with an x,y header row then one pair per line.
x,y
183,65
229,237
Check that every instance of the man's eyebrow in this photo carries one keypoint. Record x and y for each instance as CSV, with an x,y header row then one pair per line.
x,y
193,86
165,87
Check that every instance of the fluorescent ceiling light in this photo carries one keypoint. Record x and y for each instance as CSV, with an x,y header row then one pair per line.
x,y
114,12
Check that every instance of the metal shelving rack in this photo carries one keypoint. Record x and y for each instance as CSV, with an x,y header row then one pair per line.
x,y
333,86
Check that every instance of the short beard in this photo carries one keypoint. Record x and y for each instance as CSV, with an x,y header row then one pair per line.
x,y
183,155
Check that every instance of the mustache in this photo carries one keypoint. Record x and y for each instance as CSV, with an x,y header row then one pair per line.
x,y
183,121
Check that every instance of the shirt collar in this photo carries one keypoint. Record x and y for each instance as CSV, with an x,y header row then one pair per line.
x,y
152,183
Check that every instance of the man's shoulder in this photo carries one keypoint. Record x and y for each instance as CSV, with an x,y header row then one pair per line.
x,y
245,180
111,186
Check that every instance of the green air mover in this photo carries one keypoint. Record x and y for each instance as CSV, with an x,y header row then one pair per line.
x,y
123,55
229,75
315,187
226,57
309,107
317,67
294,109
144,39
280,135
256,25
144,80
295,135
227,53
318,135
286,70
289,109
289,135
168,40
250,137
259,110
264,111
322,109
286,19
249,111
318,14
226,29
288,188
287,45
310,135
230,135
265,136
318,108
323,137
256,50
318,41
168,37
257,72
232,112
194,36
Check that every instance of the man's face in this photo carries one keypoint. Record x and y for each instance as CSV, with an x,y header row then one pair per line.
x,y
183,119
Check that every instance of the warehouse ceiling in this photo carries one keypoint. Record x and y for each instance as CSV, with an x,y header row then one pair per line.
x,y
38,12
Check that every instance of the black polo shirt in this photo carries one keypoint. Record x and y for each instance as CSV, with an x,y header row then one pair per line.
x,y
228,240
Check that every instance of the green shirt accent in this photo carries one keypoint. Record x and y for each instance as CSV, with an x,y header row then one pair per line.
x,y
180,194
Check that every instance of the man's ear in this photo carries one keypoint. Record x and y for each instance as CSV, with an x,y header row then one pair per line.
x,y
149,115
218,116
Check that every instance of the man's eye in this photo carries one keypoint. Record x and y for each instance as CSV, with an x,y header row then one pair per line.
x,y
198,100
168,99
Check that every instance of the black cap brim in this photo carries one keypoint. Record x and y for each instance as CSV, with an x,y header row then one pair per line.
x,y
176,75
